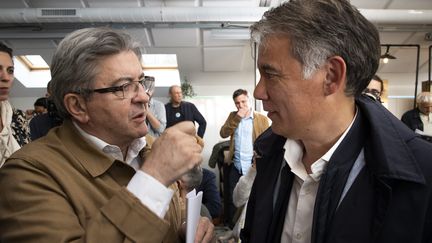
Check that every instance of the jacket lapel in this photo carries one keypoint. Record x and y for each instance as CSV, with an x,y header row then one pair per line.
x,y
259,213
333,180
387,160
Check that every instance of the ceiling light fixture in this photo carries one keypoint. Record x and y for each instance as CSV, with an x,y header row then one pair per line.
x,y
387,56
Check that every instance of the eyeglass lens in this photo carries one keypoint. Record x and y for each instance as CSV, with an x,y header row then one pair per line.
x,y
131,89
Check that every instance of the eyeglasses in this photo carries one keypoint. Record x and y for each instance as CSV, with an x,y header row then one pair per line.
x,y
373,93
128,90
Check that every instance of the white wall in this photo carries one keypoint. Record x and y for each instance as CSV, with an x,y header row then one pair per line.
x,y
401,90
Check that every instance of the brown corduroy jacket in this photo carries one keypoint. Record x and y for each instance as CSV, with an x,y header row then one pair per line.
x,y
60,188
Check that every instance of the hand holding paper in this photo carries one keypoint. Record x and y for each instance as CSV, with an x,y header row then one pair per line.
x,y
193,208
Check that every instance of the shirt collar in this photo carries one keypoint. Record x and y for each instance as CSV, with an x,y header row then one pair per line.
x,y
294,154
113,150
326,157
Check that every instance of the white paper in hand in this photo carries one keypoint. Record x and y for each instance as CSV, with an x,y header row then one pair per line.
x,y
193,209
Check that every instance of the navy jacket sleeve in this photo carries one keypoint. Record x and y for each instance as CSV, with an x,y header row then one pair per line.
x,y
200,120
211,196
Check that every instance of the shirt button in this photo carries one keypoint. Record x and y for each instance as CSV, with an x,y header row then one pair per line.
x,y
298,236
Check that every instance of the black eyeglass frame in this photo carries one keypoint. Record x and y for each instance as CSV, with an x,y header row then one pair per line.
x,y
147,83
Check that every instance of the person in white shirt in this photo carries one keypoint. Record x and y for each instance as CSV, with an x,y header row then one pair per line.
x,y
89,179
339,167
156,115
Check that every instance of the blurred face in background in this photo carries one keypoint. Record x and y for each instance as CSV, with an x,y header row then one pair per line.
x,y
6,75
241,102
176,95
425,108
40,109
374,89
375,86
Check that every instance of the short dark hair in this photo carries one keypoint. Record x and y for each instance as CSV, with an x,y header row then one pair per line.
x,y
4,48
377,78
41,102
239,92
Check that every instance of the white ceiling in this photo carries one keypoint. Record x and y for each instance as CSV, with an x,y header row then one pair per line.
x,y
184,27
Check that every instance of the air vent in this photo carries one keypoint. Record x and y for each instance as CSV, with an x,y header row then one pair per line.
x,y
57,13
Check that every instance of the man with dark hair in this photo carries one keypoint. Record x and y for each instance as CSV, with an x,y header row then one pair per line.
x,y
375,88
178,110
243,127
339,167
89,179
40,106
41,124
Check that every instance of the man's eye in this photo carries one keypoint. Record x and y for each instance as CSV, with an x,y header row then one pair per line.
x,y
270,75
127,86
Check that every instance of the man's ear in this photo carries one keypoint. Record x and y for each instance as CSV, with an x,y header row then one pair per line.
x,y
335,79
76,106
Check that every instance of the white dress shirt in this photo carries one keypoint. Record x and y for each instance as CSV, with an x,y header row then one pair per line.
x,y
299,215
147,189
427,123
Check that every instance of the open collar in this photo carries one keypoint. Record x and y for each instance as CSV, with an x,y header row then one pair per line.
x,y
88,155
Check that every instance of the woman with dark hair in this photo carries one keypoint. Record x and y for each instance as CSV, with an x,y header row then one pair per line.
x,y
13,127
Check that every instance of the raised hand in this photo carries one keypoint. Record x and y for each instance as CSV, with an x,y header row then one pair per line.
x,y
174,153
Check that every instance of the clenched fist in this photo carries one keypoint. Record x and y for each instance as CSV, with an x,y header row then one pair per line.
x,y
174,153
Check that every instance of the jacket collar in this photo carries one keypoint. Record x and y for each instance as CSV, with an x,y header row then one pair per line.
x,y
91,158
268,143
386,148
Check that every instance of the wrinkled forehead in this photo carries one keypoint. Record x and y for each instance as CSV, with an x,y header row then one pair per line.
x,y
176,90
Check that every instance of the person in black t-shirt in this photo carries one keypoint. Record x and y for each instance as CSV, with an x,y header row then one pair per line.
x,y
178,110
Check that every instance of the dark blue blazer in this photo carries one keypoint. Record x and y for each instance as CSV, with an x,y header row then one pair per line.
x,y
211,196
389,201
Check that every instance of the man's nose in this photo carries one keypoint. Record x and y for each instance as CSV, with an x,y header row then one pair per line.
x,y
142,95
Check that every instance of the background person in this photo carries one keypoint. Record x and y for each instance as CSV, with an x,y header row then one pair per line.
x,y
341,167
375,88
13,123
41,124
40,106
211,195
243,127
178,110
420,118
156,116
187,182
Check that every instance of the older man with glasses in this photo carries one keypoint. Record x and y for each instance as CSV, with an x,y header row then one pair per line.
x,y
88,180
